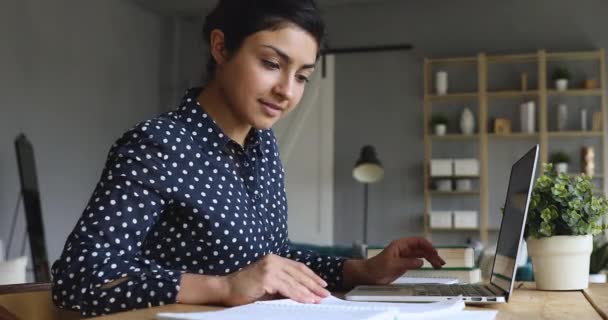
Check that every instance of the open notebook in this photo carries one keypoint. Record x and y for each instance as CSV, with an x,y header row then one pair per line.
x,y
335,309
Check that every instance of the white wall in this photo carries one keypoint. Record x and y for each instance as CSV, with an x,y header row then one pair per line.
x,y
73,76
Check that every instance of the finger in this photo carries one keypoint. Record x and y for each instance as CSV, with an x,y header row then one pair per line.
x,y
292,289
305,269
298,273
435,260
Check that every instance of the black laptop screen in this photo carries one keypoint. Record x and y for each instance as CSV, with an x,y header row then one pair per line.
x,y
515,212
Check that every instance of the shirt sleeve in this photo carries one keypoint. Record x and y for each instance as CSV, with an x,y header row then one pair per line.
x,y
327,267
102,269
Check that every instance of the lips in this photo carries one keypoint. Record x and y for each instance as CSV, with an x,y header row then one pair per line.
x,y
271,109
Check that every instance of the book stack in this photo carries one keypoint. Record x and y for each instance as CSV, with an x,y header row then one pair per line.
x,y
459,264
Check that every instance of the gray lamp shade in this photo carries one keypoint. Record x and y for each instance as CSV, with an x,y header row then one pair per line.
x,y
368,168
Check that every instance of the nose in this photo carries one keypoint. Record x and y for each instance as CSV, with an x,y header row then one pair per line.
x,y
285,87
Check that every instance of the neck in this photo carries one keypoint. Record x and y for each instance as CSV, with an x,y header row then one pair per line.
x,y
213,99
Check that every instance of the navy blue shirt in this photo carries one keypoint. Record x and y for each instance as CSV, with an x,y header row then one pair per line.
x,y
177,195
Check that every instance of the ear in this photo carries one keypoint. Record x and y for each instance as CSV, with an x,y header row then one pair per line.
x,y
217,46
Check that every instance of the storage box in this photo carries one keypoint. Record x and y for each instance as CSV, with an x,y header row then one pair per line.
x,y
442,167
466,167
441,219
466,219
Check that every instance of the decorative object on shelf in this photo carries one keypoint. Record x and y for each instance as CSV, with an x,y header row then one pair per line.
x,y
591,84
466,219
584,122
524,81
598,262
441,83
598,121
502,126
464,184
564,215
467,121
439,123
562,117
560,161
441,219
442,167
444,185
561,76
588,160
466,167
368,169
527,116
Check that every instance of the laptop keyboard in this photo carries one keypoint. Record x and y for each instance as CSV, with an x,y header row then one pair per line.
x,y
453,290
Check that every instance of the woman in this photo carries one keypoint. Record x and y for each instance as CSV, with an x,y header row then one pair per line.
x,y
191,206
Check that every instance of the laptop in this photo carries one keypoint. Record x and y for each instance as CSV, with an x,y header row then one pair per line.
x,y
500,287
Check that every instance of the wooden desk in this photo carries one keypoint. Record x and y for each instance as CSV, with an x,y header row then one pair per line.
x,y
525,303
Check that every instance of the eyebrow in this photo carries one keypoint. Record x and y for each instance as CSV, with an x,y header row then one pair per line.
x,y
286,57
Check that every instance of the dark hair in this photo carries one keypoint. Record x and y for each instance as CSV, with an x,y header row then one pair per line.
x,y
238,19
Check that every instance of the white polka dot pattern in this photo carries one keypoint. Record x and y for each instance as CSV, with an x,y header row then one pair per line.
x,y
177,195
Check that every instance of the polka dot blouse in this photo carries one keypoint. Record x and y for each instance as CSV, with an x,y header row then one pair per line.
x,y
177,195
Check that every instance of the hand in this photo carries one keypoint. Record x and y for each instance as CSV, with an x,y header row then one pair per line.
x,y
274,275
398,257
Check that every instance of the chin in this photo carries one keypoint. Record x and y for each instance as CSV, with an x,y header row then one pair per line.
x,y
263,124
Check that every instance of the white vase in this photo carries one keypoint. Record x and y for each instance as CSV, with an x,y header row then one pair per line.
x,y
561,84
441,82
561,167
561,262
441,129
527,116
584,124
562,117
467,121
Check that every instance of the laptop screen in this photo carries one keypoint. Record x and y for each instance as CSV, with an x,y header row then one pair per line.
x,y
514,219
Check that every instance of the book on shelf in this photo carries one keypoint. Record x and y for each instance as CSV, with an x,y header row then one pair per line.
x,y
454,256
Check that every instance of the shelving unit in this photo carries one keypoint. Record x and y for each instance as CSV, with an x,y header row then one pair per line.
x,y
540,92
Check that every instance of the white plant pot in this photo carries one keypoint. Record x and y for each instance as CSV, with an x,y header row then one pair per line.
x,y
441,129
561,262
561,167
597,278
561,84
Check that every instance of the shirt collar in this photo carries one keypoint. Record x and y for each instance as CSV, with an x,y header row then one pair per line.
x,y
198,121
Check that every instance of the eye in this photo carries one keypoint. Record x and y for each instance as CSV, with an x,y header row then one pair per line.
x,y
270,65
302,79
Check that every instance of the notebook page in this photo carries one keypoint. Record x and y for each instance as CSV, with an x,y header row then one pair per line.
x,y
441,307
288,311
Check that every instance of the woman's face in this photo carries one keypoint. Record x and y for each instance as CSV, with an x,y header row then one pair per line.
x,y
266,77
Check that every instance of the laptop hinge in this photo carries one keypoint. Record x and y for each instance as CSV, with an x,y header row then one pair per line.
x,y
498,291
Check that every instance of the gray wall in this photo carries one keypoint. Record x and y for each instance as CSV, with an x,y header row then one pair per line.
x,y
75,75
378,96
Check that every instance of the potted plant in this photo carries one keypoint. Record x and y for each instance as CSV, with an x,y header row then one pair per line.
x,y
439,123
599,262
561,76
564,215
560,161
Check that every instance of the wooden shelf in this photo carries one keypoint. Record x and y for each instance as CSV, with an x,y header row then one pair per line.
x,y
456,137
455,229
513,58
456,60
514,135
576,92
539,66
454,96
512,93
454,177
560,56
574,134
453,193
